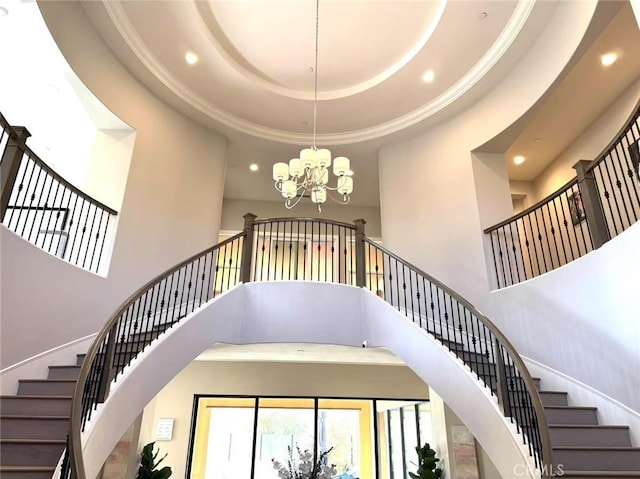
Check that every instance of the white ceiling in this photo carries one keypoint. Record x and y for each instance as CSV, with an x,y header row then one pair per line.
x,y
587,90
300,353
254,80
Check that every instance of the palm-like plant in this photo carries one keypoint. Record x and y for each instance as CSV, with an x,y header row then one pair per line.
x,y
148,464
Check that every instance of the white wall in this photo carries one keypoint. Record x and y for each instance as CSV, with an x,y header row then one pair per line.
x,y
524,189
171,208
591,143
285,379
335,314
581,319
233,210
430,216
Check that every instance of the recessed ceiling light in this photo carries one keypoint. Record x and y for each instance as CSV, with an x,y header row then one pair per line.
x,y
518,160
428,76
3,12
483,15
191,58
608,58
537,140
253,167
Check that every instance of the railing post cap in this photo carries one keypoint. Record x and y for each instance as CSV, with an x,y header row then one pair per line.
x,y
581,164
20,133
360,221
249,220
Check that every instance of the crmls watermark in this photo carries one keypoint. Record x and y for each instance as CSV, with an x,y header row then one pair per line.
x,y
553,470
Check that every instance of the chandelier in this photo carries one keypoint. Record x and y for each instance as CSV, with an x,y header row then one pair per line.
x,y
308,175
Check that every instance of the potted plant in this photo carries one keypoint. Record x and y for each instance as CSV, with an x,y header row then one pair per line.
x,y
427,464
148,465
303,466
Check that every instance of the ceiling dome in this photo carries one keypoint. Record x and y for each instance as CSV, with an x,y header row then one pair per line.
x,y
255,72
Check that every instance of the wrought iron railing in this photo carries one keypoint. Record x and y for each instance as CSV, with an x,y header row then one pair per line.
x,y
48,211
314,250
601,202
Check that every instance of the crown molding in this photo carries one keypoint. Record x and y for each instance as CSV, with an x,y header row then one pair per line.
x,y
490,58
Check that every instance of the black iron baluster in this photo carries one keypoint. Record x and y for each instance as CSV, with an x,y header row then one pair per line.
x,y
58,211
95,246
533,242
45,207
608,195
564,251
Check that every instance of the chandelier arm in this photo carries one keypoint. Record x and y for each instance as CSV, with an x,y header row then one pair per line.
x,y
345,199
289,206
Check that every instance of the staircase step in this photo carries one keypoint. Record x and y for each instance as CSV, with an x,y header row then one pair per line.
x,y
31,452
597,458
35,405
64,372
601,474
553,398
80,358
27,472
588,435
34,427
46,387
571,415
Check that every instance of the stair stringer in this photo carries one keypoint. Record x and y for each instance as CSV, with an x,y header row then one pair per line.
x,y
304,312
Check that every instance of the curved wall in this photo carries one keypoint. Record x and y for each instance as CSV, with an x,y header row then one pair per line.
x,y
302,312
582,319
171,209
427,184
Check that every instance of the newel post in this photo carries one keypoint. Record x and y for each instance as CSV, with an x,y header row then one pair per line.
x,y
247,247
360,255
591,204
11,160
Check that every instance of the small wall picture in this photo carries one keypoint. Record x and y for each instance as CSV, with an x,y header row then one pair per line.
x,y
576,208
634,153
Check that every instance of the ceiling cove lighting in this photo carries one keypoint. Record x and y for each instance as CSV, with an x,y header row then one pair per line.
x,y
308,175
191,58
608,59
518,160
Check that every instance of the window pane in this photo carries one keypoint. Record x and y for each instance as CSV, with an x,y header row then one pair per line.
x,y
230,442
395,444
284,434
426,429
410,437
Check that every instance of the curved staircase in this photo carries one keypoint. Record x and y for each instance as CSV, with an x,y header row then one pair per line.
x,y
561,438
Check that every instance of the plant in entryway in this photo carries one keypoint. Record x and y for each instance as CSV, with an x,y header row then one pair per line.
x,y
148,465
427,464
303,466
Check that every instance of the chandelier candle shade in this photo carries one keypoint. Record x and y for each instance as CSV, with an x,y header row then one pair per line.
x,y
309,174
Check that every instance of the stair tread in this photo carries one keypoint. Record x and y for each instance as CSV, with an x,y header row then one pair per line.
x,y
541,391
32,441
597,448
30,416
590,426
27,468
632,474
48,380
34,396
593,408
65,366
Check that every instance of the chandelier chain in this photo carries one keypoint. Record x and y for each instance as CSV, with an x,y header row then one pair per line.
x,y
315,79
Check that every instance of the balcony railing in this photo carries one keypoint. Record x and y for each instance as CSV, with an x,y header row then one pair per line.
x,y
313,250
48,211
600,203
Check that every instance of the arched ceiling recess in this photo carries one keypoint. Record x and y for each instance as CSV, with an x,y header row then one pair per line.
x,y
255,70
